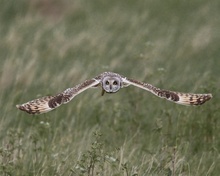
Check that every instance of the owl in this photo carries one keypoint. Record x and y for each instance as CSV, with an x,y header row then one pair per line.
x,y
110,83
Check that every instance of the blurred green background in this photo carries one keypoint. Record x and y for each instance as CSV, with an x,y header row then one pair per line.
x,y
47,46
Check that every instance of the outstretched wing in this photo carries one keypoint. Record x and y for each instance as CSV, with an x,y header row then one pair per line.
x,y
48,103
176,97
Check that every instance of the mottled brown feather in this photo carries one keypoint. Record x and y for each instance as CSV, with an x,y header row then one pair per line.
x,y
48,103
176,97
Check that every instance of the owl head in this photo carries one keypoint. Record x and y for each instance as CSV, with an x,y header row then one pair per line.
x,y
111,84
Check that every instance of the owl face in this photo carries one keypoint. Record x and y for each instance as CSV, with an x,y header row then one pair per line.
x,y
111,84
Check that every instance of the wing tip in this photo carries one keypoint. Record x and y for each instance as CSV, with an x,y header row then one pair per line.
x,y
194,99
20,107
204,98
209,95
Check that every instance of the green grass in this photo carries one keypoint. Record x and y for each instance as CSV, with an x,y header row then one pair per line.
x,y
47,46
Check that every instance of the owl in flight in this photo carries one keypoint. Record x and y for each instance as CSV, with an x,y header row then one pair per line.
x,y
110,83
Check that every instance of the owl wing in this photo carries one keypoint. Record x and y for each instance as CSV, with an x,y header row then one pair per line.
x,y
176,97
48,103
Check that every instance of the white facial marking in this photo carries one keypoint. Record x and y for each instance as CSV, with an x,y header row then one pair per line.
x,y
111,84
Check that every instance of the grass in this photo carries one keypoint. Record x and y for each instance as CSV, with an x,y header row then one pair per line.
x,y
47,46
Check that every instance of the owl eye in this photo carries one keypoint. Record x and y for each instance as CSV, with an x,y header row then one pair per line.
x,y
115,83
107,82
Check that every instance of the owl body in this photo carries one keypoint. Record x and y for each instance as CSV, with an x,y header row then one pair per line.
x,y
110,83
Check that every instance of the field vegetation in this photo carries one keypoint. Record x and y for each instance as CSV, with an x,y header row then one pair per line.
x,y
47,46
